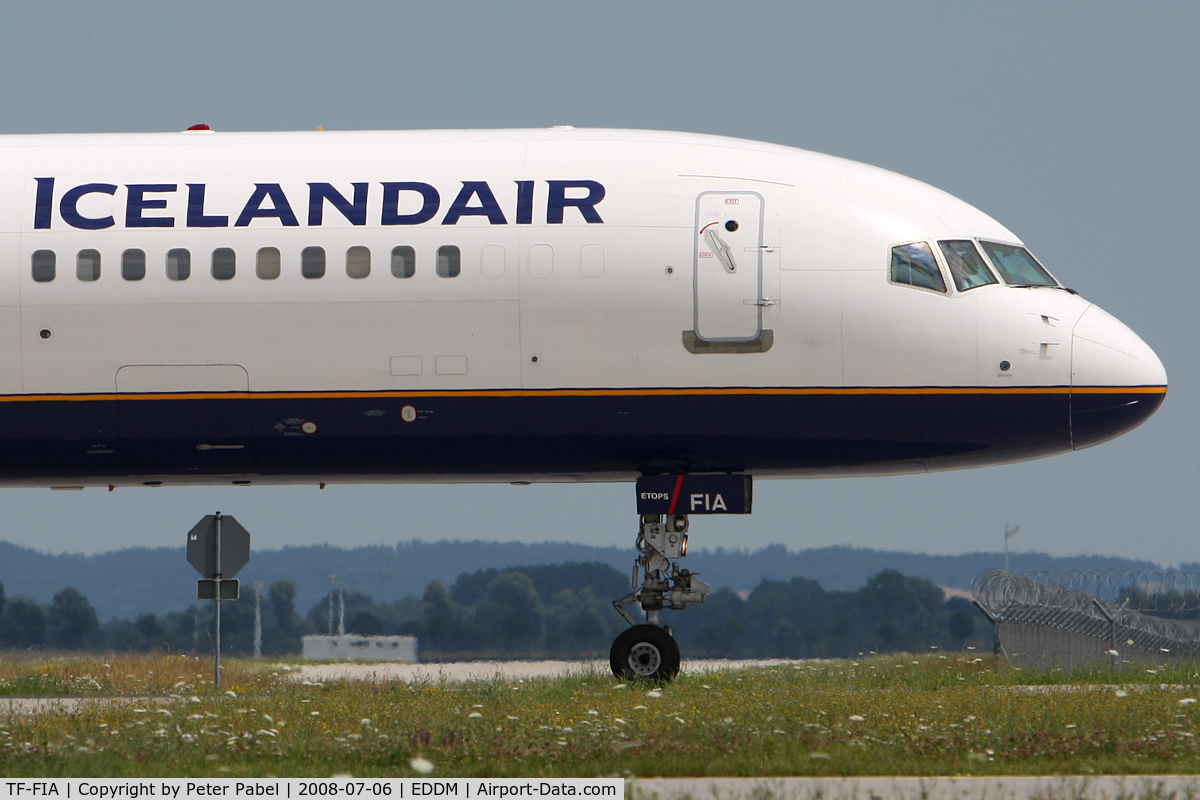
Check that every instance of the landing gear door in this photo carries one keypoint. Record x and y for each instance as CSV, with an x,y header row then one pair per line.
x,y
728,266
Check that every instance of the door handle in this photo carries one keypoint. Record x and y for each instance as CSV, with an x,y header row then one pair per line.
x,y
720,250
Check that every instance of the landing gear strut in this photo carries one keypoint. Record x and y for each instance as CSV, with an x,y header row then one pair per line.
x,y
649,651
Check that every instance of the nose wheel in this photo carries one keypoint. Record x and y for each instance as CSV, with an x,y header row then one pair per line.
x,y
645,651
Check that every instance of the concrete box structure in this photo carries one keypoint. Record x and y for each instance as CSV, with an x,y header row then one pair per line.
x,y
352,647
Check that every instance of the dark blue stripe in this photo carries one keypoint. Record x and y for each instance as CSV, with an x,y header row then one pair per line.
x,y
456,435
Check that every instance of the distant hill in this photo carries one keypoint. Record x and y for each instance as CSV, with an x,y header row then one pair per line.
x,y
141,580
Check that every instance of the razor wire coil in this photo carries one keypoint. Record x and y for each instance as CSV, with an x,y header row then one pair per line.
x,y
1162,591
1126,608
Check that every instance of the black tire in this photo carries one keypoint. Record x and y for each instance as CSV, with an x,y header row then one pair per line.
x,y
646,652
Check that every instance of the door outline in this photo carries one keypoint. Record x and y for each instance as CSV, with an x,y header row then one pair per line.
x,y
740,254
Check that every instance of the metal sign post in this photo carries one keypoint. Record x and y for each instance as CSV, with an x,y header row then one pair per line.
x,y
217,577
218,547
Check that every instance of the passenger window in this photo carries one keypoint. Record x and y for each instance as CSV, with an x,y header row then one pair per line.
x,y
1017,265
358,262
541,261
87,265
591,260
133,265
449,261
914,264
312,262
493,261
43,265
404,261
267,264
179,265
966,265
224,263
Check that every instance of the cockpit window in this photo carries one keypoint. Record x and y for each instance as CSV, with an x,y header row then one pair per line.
x,y
915,265
966,265
1017,265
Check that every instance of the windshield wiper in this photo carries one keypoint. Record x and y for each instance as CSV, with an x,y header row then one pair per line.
x,y
1041,286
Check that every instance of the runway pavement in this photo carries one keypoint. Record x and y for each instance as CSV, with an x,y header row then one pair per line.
x,y
42,705
487,670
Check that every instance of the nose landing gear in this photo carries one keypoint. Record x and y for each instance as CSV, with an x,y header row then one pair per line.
x,y
649,650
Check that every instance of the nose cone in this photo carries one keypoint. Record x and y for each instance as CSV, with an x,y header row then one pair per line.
x,y
1117,381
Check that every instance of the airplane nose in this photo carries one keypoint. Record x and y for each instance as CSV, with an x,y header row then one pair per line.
x,y
1117,381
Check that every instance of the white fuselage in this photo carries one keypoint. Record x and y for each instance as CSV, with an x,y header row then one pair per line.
x,y
541,293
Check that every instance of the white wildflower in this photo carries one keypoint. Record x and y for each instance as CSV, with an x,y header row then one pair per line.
x,y
421,766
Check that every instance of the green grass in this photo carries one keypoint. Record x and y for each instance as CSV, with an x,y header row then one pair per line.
x,y
27,675
927,715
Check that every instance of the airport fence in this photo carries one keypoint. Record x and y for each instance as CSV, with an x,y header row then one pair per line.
x,y
1077,618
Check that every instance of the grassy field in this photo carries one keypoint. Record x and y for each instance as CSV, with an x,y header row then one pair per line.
x,y
928,715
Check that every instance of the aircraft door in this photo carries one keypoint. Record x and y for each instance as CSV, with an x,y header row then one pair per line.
x,y
727,275
186,417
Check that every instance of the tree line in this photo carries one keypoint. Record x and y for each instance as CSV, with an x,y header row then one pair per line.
x,y
561,610
70,622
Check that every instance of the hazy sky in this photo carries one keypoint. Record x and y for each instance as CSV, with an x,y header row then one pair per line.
x,y
1074,124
